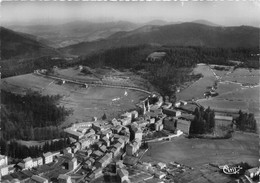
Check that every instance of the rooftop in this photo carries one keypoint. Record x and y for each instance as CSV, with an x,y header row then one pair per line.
x,y
227,118
47,154
27,159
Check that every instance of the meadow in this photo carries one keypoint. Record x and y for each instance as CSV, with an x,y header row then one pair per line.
x,y
196,90
237,89
85,103
197,152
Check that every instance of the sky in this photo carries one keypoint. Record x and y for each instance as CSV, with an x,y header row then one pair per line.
x,y
226,13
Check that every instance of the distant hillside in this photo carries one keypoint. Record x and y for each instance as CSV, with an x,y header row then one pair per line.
x,y
205,22
184,34
19,45
60,35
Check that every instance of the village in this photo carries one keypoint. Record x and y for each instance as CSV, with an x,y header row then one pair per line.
x,y
111,151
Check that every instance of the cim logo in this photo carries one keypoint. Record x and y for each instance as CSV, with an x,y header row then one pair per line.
x,y
230,170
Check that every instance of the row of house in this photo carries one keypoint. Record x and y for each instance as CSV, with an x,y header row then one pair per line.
x,y
29,162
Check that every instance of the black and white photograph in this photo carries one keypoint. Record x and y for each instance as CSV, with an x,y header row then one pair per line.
x,y
130,91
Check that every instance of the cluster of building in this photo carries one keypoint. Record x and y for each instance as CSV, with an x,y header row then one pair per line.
x,y
94,146
165,116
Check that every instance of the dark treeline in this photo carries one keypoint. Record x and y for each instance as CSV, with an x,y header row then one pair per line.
x,y
30,117
203,121
246,122
29,65
134,57
174,69
17,151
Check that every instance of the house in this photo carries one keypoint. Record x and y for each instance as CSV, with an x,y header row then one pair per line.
x,y
156,57
155,114
122,140
167,105
106,141
63,178
170,124
104,161
172,112
73,164
74,134
158,126
3,160
184,126
97,173
35,164
89,152
125,121
76,146
126,115
82,130
67,150
177,104
183,102
97,154
159,175
88,163
106,133
152,120
21,166
122,174
115,122
132,148
3,170
103,148
97,127
39,179
81,67
92,161
28,163
85,143
253,172
47,157
117,129
39,161
161,165
134,114
116,149
99,143
223,120
138,134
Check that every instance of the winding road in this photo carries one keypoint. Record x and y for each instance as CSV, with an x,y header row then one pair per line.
x,y
96,84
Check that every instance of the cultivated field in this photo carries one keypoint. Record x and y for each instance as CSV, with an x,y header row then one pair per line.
x,y
196,152
86,103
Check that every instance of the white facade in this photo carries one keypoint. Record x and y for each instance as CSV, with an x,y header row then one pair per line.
x,y
28,163
47,157
3,170
3,160
73,164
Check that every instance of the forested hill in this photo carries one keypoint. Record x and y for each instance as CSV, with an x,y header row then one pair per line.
x,y
19,45
184,34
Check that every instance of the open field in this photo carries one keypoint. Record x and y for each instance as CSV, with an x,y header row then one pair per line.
x,y
196,90
196,152
74,73
236,97
85,102
232,92
108,76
